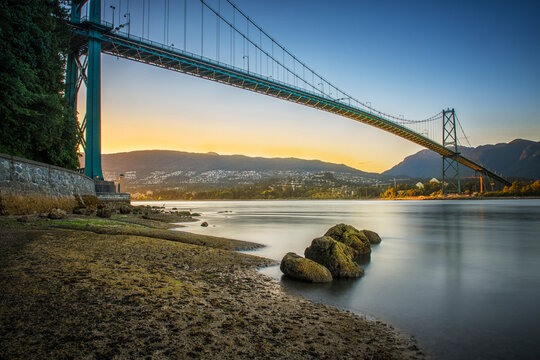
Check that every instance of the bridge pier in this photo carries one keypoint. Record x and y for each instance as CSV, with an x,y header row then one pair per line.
x,y
92,165
451,182
89,130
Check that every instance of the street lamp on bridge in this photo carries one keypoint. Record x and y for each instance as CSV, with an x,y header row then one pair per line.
x,y
246,57
113,9
345,98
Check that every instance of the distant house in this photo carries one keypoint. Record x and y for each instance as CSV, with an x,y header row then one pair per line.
x,y
419,185
132,175
434,181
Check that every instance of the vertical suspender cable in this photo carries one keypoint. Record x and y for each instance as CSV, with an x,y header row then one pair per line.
x,y
185,23
143,17
247,46
255,51
217,30
284,68
294,71
202,28
128,19
165,22
273,59
234,36
246,43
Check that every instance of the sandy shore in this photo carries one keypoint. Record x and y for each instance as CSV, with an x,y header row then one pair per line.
x,y
127,288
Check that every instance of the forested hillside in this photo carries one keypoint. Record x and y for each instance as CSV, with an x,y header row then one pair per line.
x,y
35,122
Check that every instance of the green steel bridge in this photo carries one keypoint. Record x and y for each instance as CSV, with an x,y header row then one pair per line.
x,y
274,72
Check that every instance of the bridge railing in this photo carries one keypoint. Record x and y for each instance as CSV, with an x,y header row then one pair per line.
x,y
335,100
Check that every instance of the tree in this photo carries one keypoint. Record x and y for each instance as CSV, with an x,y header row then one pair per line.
x,y
390,193
35,122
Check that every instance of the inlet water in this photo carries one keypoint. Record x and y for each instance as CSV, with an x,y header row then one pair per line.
x,y
463,277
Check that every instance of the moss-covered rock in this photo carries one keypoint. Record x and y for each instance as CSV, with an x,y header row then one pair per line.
x,y
104,212
125,209
57,214
299,268
335,256
372,236
82,210
87,201
350,236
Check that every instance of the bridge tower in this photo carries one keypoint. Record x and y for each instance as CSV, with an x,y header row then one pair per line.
x,y
89,72
450,166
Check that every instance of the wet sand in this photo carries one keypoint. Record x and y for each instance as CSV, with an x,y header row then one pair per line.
x,y
94,288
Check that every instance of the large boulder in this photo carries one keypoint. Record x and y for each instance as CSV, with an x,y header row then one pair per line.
x,y
299,268
350,236
57,214
335,256
79,211
125,209
104,212
372,236
83,210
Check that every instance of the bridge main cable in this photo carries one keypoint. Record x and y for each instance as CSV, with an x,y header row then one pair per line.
x,y
146,51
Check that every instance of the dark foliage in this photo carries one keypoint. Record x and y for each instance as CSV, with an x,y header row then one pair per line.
x,y
35,122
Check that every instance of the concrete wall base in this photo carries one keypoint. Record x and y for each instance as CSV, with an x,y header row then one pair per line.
x,y
28,187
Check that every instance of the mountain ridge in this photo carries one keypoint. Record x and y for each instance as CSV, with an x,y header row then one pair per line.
x,y
170,167
112,160
518,158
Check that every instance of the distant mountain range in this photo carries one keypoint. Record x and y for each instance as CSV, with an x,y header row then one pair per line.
x,y
177,169
516,159
173,168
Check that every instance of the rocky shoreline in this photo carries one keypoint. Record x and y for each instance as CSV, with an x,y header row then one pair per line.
x,y
125,287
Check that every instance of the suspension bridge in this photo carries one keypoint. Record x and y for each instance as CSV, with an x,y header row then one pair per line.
x,y
215,40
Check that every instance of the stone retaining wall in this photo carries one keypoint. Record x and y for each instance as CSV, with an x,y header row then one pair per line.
x,y
28,186
114,199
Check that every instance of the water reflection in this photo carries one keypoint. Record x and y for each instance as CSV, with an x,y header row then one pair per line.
x,y
337,288
462,276
363,260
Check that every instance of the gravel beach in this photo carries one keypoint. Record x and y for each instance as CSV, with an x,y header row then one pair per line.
x,y
126,288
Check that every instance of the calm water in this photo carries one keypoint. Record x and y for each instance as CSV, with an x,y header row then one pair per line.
x,y
463,277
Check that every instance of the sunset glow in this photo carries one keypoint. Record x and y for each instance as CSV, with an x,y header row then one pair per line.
x,y
150,108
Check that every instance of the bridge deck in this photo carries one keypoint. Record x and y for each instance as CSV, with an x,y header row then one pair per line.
x,y
159,55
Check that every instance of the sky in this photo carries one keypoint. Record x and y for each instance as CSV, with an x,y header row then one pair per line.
x,y
410,58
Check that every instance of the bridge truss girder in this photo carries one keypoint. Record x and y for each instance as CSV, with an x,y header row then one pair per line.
x,y
159,55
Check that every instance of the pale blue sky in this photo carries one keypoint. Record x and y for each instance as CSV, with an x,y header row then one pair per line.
x,y
405,57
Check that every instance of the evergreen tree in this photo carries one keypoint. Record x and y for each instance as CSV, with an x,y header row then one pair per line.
x,y
35,122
